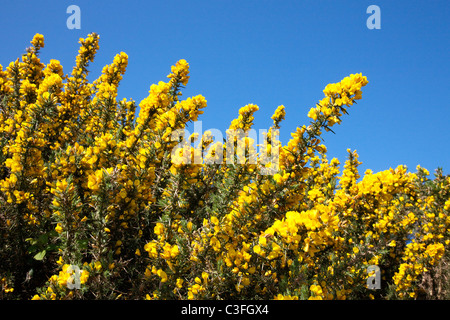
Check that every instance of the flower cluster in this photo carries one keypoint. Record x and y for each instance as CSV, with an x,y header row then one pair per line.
x,y
101,202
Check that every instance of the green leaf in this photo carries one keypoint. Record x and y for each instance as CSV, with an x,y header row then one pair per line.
x,y
40,255
32,249
31,241
43,238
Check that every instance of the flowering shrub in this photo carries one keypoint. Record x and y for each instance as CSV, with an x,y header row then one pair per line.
x,y
97,203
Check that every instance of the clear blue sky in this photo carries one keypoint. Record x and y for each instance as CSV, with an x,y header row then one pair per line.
x,y
272,53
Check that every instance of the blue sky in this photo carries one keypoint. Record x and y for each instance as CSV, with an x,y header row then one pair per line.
x,y
272,53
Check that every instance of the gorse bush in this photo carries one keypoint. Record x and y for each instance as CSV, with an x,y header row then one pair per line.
x,y
100,203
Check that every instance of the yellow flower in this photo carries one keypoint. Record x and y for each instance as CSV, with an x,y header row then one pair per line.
x,y
257,249
313,112
152,249
148,272
278,115
179,283
180,72
205,277
38,41
59,228
97,265
174,251
159,229
392,243
84,276
162,275
60,261
214,220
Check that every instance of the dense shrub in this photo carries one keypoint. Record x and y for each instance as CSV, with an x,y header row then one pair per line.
x,y
100,203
